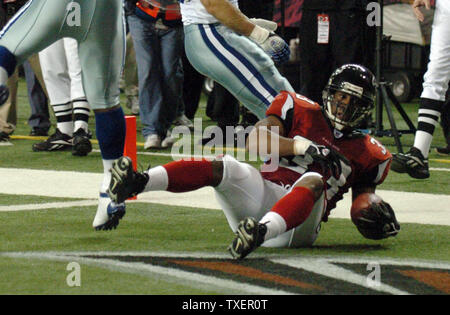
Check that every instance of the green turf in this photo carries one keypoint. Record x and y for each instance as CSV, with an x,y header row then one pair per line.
x,y
159,228
31,276
155,227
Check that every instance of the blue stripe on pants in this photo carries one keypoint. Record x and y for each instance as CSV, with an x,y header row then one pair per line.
x,y
230,64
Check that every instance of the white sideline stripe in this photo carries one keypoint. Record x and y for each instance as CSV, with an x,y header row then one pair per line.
x,y
439,169
409,207
167,274
50,205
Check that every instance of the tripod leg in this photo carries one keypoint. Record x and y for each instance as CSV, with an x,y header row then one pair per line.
x,y
379,113
412,128
391,119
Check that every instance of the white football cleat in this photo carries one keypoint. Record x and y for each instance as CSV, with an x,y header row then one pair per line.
x,y
108,213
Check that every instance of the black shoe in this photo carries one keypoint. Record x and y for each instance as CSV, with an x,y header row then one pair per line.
x,y
81,145
412,163
4,138
56,142
443,151
4,94
125,181
249,235
38,132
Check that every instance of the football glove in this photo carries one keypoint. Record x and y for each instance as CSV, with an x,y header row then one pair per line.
x,y
378,222
327,158
272,44
271,26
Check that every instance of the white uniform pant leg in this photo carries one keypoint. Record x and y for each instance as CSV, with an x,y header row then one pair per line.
x,y
244,193
74,69
306,233
102,55
55,73
237,63
438,73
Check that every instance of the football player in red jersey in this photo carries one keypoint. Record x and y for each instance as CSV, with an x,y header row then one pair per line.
x,y
322,155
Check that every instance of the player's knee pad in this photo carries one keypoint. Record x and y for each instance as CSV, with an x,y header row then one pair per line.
x,y
311,180
233,169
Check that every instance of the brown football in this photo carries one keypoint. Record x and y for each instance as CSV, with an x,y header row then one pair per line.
x,y
363,202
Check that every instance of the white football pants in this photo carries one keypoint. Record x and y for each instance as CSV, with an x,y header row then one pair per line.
x,y
61,70
243,192
438,73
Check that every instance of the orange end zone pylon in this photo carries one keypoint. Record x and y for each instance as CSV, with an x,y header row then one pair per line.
x,y
130,148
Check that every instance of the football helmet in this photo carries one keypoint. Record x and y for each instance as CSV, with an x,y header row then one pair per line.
x,y
349,96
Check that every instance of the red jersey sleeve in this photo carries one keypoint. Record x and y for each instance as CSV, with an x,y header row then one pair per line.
x,y
281,105
374,162
294,110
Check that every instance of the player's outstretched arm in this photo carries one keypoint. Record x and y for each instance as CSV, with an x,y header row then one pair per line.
x,y
374,218
267,132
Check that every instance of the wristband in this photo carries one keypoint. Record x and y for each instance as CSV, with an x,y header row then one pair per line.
x,y
301,145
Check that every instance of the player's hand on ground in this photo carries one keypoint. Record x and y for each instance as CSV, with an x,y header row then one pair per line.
x,y
379,221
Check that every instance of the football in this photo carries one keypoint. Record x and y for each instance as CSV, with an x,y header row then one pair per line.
x,y
363,202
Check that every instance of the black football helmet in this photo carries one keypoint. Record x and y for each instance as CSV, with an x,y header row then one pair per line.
x,y
358,84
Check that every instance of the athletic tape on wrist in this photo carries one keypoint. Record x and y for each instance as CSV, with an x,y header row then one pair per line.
x,y
301,145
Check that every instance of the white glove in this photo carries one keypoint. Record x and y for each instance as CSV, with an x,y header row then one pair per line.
x,y
268,25
301,144
272,44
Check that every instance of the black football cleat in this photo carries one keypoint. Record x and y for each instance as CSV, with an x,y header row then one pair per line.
x,y
81,145
115,213
443,150
249,235
56,142
411,162
125,181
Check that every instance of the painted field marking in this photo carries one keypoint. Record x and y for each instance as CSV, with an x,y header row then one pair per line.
x,y
322,265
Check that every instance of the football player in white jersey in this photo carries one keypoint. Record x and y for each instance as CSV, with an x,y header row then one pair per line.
x,y
235,51
98,26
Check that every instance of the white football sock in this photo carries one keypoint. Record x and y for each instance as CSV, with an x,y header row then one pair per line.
x,y
81,111
63,114
275,224
422,141
158,179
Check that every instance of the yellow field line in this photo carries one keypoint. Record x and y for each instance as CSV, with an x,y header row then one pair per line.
x,y
440,160
140,144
